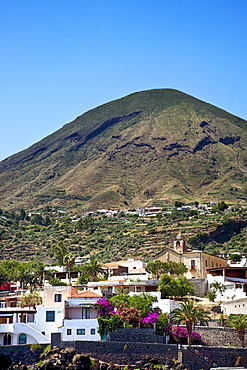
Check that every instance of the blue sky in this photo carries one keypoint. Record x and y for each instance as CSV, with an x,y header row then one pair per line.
x,y
60,58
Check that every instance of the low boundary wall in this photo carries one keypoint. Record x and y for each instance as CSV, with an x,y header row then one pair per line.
x,y
123,353
22,352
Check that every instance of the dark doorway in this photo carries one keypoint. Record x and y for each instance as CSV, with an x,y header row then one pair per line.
x,y
7,340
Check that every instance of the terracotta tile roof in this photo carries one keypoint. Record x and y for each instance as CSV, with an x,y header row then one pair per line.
x,y
87,294
109,264
73,291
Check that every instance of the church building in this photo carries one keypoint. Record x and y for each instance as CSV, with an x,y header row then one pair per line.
x,y
196,261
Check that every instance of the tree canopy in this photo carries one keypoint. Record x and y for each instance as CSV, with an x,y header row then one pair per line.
x,y
175,287
30,300
158,268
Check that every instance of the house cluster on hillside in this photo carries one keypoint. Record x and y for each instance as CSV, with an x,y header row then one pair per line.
x,y
70,311
149,211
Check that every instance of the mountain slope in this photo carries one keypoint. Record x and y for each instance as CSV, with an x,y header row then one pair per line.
x,y
156,145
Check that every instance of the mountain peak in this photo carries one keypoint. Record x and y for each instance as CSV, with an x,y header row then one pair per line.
x,y
150,146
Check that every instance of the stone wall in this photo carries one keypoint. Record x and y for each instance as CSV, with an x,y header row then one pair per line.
x,y
197,357
200,286
219,336
121,353
22,353
135,335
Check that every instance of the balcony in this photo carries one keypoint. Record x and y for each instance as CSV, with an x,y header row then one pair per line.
x,y
6,328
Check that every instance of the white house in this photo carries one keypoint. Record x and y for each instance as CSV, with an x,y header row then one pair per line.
x,y
80,320
29,325
234,280
126,269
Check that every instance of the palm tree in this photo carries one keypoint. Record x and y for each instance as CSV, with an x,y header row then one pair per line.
x,y
41,273
189,315
239,322
93,269
60,250
69,261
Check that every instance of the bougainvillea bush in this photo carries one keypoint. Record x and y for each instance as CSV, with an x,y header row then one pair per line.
x,y
180,334
126,314
104,308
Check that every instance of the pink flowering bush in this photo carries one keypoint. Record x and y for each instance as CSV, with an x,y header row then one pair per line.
x,y
151,318
180,335
104,308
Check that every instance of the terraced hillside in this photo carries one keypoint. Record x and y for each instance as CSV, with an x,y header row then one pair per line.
x,y
109,239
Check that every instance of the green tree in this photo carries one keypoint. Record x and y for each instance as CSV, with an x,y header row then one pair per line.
x,y
220,207
184,287
30,300
93,269
55,281
162,323
216,286
167,286
178,204
3,276
41,273
143,302
177,268
109,323
69,261
60,250
47,221
89,224
211,294
235,257
37,219
158,268
171,287
238,322
189,315
22,214
26,274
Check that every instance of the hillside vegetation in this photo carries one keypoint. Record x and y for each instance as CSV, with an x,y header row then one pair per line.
x,y
151,147
33,237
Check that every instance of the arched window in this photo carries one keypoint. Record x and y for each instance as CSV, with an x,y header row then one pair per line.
x,y
22,339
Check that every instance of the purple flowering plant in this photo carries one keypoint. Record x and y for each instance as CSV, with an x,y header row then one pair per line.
x,y
104,308
151,318
178,333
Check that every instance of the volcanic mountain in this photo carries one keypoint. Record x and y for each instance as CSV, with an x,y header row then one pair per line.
x,y
149,147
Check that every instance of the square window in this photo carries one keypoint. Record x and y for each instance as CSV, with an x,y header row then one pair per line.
x,y
50,316
138,289
69,331
43,332
93,331
58,298
80,331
